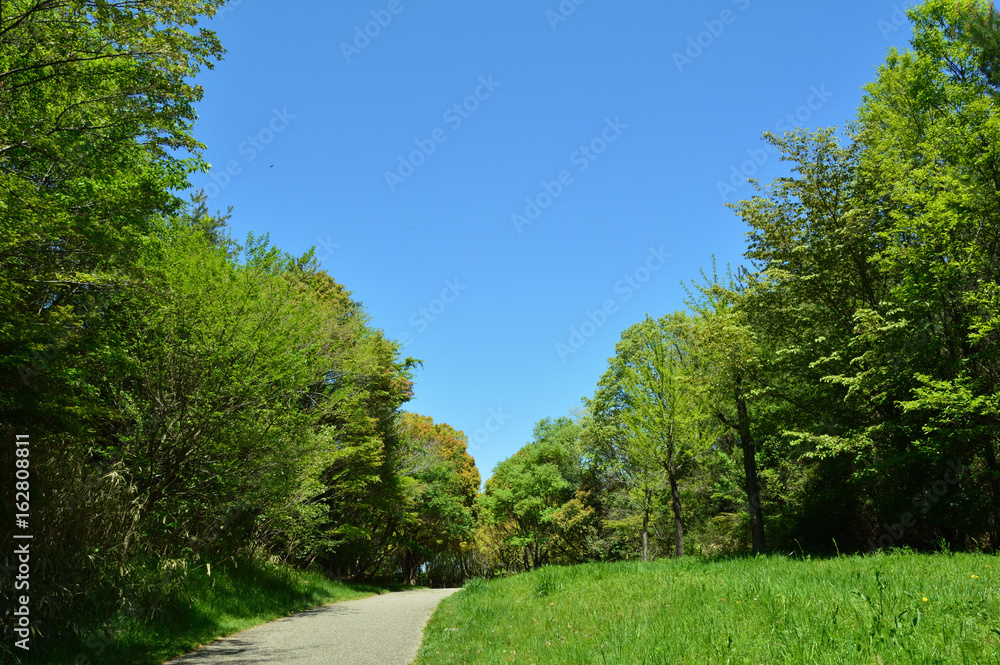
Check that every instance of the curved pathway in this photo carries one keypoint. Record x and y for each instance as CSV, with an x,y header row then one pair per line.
x,y
379,630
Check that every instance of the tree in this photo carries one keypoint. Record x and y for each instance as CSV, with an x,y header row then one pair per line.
x,y
533,505
98,113
207,391
875,286
356,405
649,393
946,258
730,363
626,496
95,141
442,486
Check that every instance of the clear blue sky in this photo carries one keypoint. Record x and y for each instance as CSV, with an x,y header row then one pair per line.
x,y
611,118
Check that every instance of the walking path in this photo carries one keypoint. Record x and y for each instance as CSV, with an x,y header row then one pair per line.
x,y
379,630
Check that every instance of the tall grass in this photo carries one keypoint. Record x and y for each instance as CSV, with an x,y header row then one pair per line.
x,y
880,609
184,607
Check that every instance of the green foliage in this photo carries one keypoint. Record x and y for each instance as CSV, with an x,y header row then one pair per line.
x,y
535,509
97,118
436,521
854,360
648,403
204,399
875,290
246,398
195,604
199,398
207,402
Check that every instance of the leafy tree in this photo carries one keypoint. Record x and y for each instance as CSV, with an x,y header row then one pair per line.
x,y
730,365
94,141
649,392
442,486
616,495
945,224
533,503
206,394
98,112
875,284
357,405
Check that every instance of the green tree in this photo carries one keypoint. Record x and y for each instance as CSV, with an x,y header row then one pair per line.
x,y
533,501
442,486
649,393
207,403
97,117
94,142
730,364
356,405
875,286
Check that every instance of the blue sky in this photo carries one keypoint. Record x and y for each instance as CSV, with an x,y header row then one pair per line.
x,y
508,186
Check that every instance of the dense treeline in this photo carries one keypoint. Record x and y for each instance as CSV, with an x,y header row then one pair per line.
x,y
189,398
841,391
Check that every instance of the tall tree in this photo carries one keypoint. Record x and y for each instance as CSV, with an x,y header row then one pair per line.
x,y
442,486
98,110
875,281
649,392
730,365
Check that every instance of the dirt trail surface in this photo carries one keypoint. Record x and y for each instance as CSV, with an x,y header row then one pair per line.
x,y
380,630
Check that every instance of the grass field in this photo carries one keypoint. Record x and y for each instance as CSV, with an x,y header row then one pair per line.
x,y
196,608
879,609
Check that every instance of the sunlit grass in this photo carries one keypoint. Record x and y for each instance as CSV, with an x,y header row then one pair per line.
x,y
881,609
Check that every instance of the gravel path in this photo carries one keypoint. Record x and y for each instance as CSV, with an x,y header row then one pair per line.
x,y
380,630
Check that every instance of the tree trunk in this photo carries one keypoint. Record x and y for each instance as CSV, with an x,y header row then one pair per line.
x,y
409,568
675,501
994,469
750,470
539,556
645,526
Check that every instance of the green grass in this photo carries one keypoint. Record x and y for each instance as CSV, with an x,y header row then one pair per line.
x,y
195,609
879,609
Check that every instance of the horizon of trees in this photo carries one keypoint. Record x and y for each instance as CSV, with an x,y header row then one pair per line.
x,y
840,392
